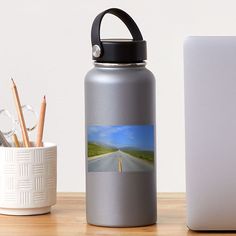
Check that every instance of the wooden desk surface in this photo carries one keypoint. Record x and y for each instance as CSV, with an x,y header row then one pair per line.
x,y
68,218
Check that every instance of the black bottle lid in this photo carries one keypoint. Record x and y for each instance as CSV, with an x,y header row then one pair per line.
x,y
118,50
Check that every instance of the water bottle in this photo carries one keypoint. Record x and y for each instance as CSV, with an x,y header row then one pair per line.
x,y
120,130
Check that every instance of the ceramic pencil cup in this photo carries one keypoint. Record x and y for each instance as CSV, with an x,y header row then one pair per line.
x,y
28,178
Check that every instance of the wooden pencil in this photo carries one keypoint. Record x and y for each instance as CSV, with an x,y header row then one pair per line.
x,y
39,140
20,115
15,140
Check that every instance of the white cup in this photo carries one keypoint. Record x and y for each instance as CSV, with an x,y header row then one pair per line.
x,y
28,179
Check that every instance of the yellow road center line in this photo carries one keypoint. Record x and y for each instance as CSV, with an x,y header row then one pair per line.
x,y
120,165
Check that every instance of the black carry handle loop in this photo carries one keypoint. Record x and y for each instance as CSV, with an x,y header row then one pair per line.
x,y
124,17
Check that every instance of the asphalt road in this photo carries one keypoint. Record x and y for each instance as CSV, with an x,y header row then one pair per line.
x,y
109,162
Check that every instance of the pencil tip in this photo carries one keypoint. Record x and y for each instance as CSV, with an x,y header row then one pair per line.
x,y
44,97
13,81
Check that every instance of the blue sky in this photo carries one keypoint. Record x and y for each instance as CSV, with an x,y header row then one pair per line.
x,y
138,136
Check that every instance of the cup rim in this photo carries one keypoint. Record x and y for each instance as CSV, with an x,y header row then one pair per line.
x,y
46,146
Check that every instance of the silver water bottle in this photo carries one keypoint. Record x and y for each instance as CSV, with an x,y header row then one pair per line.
x,y
120,130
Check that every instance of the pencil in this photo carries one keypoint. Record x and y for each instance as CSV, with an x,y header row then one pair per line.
x,y
39,139
20,115
15,140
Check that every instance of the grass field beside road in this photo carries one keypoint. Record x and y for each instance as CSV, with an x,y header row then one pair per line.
x,y
96,149
145,155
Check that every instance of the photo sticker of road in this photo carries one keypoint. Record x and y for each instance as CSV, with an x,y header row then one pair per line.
x,y
120,148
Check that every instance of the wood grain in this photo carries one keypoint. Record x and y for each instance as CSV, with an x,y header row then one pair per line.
x,y
20,115
39,139
68,218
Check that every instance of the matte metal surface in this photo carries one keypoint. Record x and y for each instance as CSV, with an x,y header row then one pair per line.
x,y
120,96
210,109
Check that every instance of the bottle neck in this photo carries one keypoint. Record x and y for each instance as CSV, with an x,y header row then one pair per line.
x,y
121,65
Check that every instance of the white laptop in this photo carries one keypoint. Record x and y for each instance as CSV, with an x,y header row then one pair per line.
x,y
210,117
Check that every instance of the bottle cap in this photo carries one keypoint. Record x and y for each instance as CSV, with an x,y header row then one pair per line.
x,y
118,50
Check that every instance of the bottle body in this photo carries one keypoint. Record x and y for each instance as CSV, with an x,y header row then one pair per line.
x,y
120,145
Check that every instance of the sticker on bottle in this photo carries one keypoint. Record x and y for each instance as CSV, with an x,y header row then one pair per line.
x,y
120,148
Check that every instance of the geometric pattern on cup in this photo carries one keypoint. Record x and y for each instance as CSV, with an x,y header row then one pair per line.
x,y
28,177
